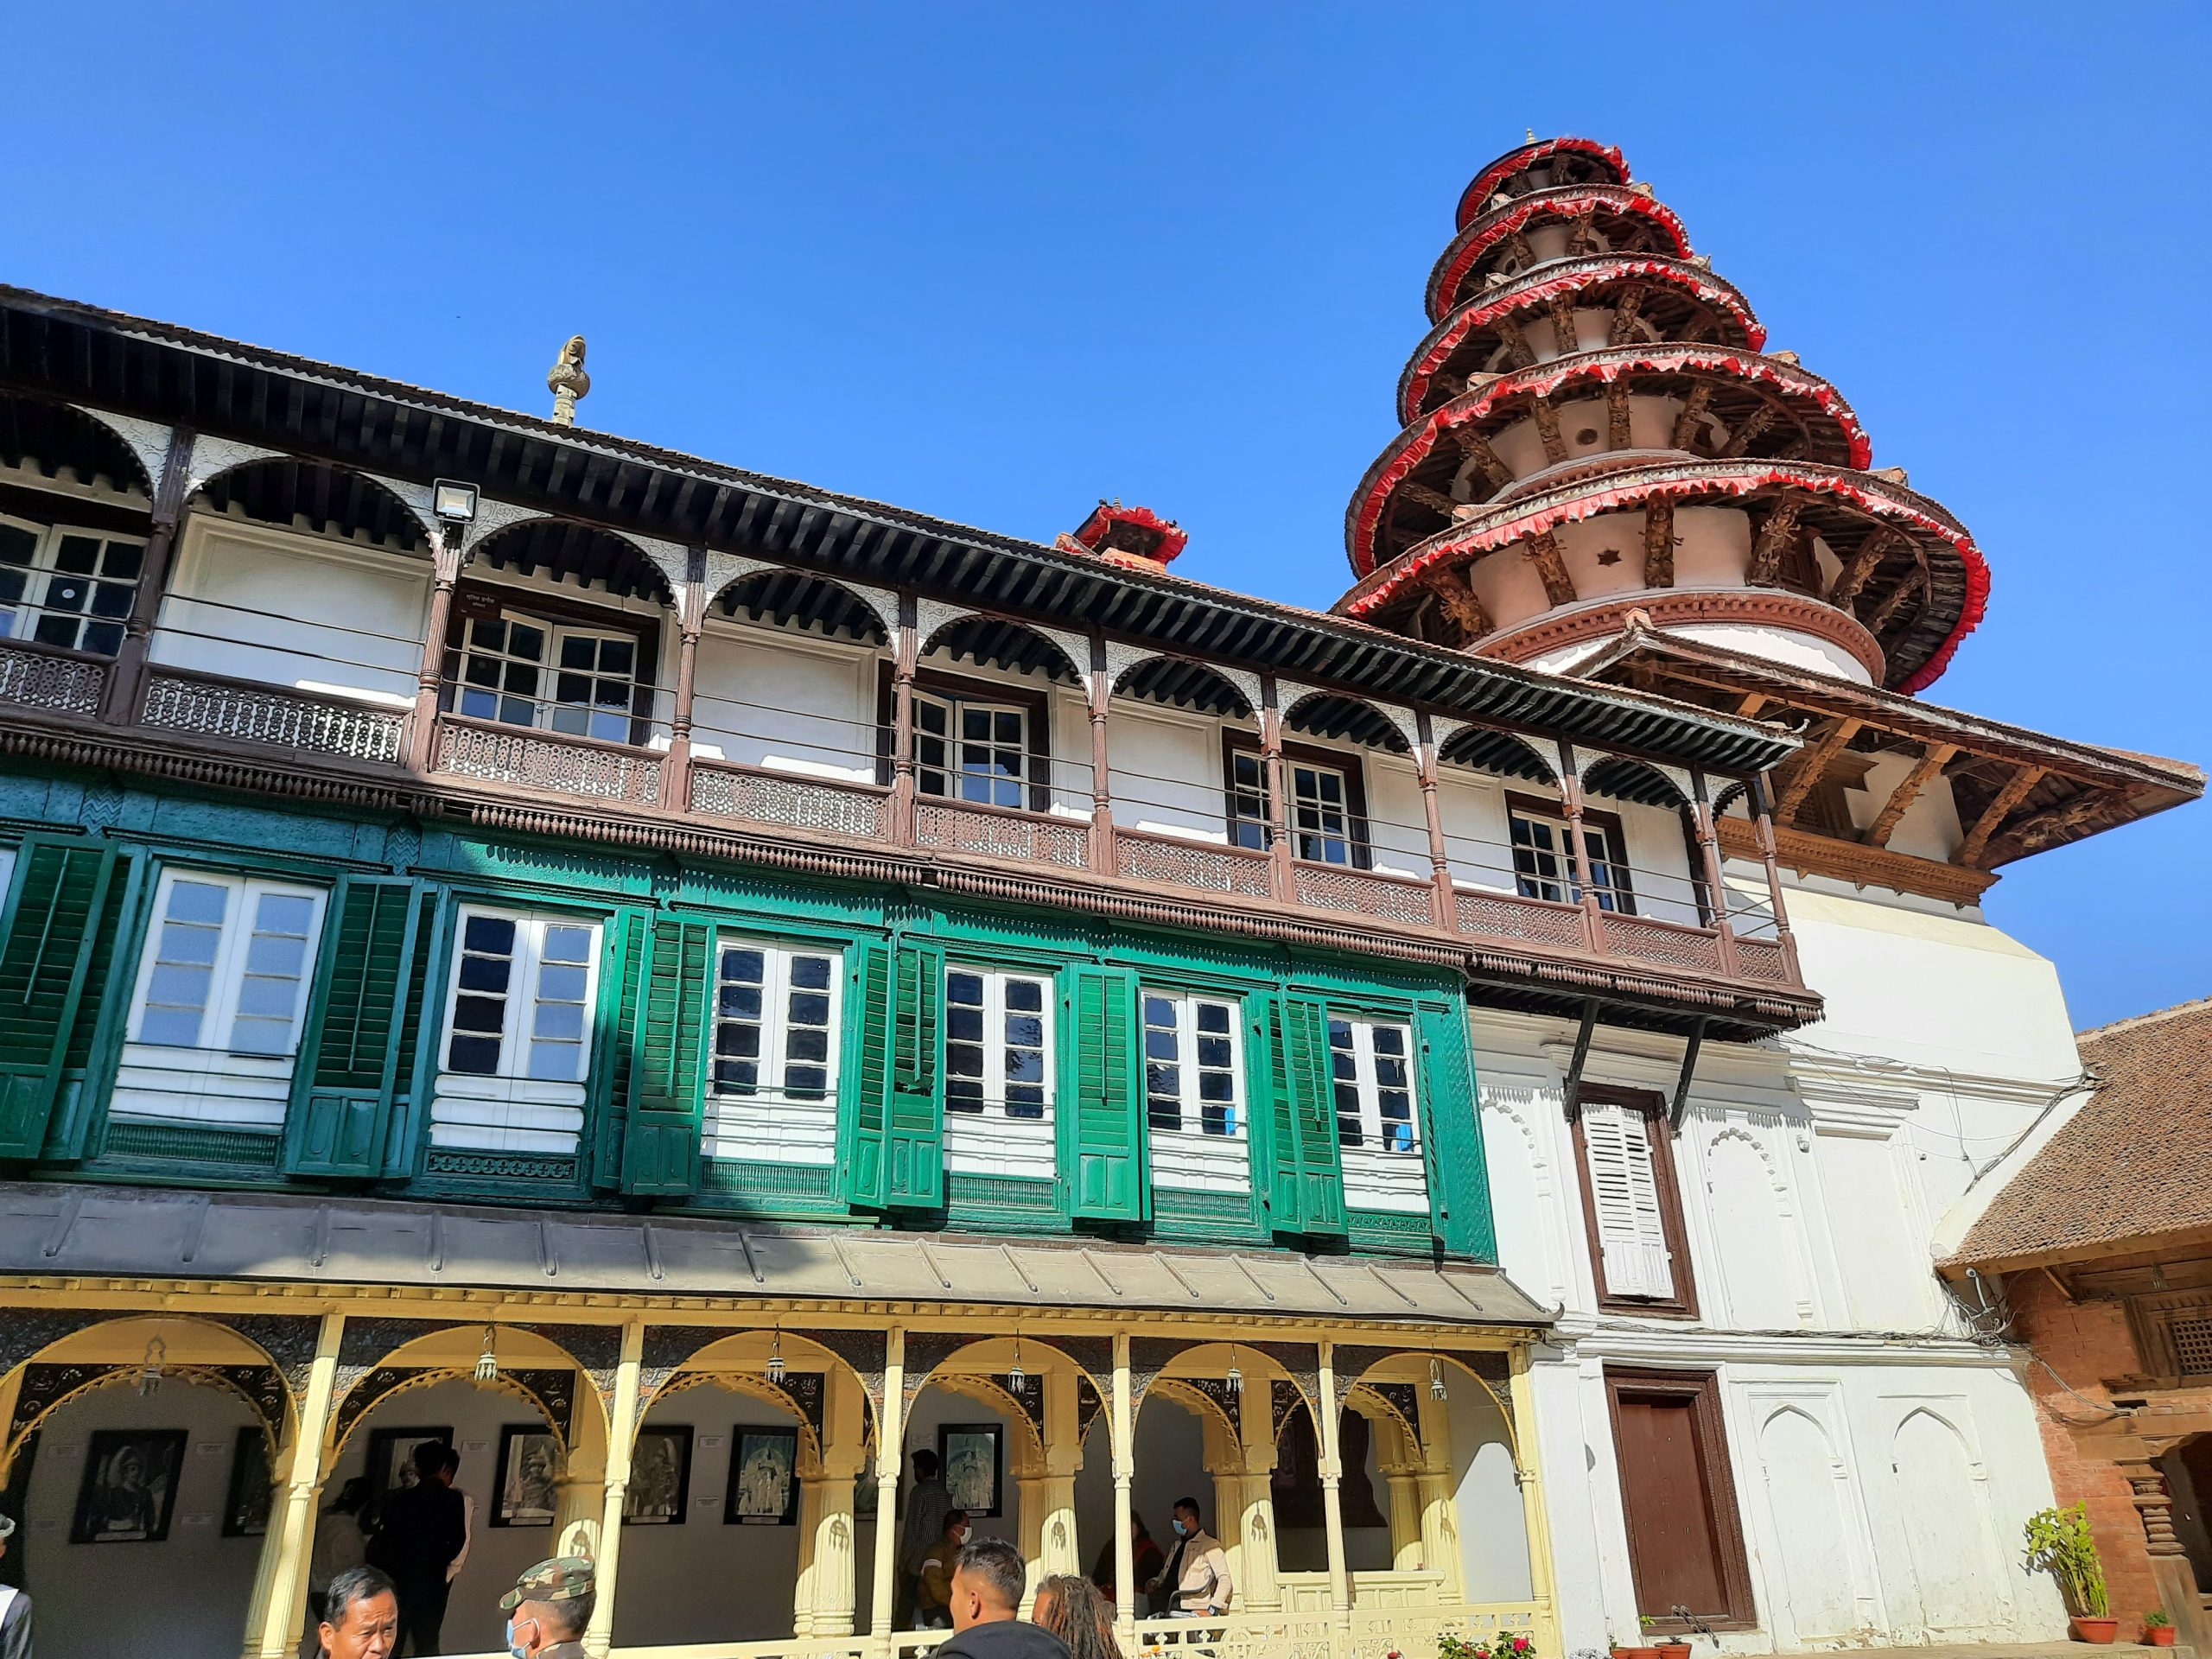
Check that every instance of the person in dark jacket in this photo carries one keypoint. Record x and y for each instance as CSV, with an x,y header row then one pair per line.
x,y
987,1588
1147,1560
420,1529
14,1608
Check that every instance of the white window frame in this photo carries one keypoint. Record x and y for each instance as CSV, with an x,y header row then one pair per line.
x,y
521,992
19,618
1368,1086
774,1023
955,772
1250,811
546,707
1634,1257
994,1105
1308,817
1615,889
1191,1103
227,975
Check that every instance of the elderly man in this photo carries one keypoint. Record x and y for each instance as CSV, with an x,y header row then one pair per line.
x,y
548,1608
360,1615
987,1587
14,1608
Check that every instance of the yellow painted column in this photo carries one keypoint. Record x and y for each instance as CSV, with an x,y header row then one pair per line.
x,y
1526,1465
1440,1503
621,1442
1408,1548
579,1493
890,1452
1059,1550
1259,1587
1333,1470
828,1605
273,1616
1123,1424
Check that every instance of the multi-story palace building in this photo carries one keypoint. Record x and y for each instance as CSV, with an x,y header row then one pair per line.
x,y
689,987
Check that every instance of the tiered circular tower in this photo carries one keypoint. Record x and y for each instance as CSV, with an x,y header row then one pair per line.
x,y
1594,428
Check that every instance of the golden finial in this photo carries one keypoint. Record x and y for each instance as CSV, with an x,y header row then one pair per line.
x,y
1531,131
567,381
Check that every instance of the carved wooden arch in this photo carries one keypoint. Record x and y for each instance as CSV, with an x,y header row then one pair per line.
x,y
929,1353
48,1388
1122,661
373,1366
811,1429
991,1391
670,565
145,443
1449,733
1292,697
215,459
1674,778
1492,1371
1728,797
540,1390
670,1363
1200,1403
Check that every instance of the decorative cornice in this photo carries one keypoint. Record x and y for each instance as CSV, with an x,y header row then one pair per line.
x,y
1775,608
1858,863
1527,156
1483,234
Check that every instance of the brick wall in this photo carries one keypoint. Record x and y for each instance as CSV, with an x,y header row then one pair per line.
x,y
2084,1342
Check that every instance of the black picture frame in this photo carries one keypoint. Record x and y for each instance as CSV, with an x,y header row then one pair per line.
x,y
391,1454
763,1477
128,1493
660,1478
250,1496
980,1447
524,1492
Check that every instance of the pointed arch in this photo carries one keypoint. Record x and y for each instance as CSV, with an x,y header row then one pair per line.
x,y
1486,750
1626,779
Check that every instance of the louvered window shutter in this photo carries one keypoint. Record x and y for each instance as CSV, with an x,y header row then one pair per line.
x,y
1306,1188
1111,1181
866,1099
668,1072
914,1114
1625,1192
350,1060
61,887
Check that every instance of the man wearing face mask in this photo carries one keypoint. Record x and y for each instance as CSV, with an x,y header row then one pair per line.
x,y
548,1608
1195,1584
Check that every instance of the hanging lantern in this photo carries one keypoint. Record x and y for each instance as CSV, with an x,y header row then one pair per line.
x,y
150,1375
1016,1378
487,1362
1436,1388
776,1358
1235,1381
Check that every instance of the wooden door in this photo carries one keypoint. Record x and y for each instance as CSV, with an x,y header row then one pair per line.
x,y
1685,1542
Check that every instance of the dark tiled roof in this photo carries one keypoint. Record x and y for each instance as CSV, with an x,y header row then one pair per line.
x,y
2134,1164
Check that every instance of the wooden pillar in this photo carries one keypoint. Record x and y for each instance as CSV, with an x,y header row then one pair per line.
x,y
1446,907
1333,1470
621,1442
2178,1593
1259,1583
422,732
1102,792
1570,797
890,1452
906,653
1122,1425
1763,815
119,701
1708,852
1282,878
273,1616
691,619
1408,1544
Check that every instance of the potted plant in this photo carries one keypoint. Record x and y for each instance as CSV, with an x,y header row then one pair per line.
x,y
2158,1628
1644,1650
2059,1544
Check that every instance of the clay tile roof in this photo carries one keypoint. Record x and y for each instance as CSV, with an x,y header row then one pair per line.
x,y
2136,1161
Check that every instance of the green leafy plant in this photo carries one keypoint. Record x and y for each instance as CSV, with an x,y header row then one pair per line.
x,y
2059,1544
2156,1619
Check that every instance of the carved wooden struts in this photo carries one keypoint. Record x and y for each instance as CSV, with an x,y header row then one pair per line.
x,y
2056,823
1624,316
1618,433
1421,496
1747,432
1659,545
1899,596
1937,756
1544,554
1455,595
1548,429
1774,537
1561,307
1518,352
1812,766
1853,575
1474,445
1691,419
1993,815
1583,238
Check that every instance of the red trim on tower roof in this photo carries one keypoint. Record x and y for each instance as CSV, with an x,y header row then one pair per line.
x,y
1483,234
1172,539
1709,478
1417,443
1479,187
1566,278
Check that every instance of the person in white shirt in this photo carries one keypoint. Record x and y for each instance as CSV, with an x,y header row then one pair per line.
x,y
1195,1584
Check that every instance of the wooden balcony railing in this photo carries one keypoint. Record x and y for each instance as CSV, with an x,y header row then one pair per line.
x,y
210,705
549,761
47,677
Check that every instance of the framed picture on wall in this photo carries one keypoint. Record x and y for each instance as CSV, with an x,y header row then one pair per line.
x,y
530,1462
660,1476
391,1456
246,1507
129,1491
763,1477
974,1456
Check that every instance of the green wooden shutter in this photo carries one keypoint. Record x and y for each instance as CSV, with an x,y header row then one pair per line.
x,y
621,992
1459,1183
864,1099
62,889
1111,1180
95,1041
667,1070
914,1114
348,1069
1306,1185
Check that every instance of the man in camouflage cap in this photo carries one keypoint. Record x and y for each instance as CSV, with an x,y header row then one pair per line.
x,y
549,1607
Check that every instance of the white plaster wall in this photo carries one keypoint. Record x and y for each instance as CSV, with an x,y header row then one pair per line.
x,y
1397,822
184,1598
1165,766
1170,1464
1493,1529
778,698
292,610
1471,804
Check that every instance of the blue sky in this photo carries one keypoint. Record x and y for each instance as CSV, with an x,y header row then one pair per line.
x,y
996,262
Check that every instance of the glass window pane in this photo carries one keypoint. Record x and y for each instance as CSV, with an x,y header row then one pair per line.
x,y
485,973
78,555
739,1039
276,953
258,1036
178,987
194,945
491,934
555,1062
566,943
177,1026
807,1045
562,1020
124,561
964,988
527,641
488,633
267,999
579,651
1026,1030
559,982
1024,995
810,1008
198,901
475,1056
810,973
617,655
741,1002
481,1014
964,1025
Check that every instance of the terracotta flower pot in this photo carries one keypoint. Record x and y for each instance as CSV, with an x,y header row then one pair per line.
x,y
2158,1636
1675,1650
1636,1653
2101,1631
